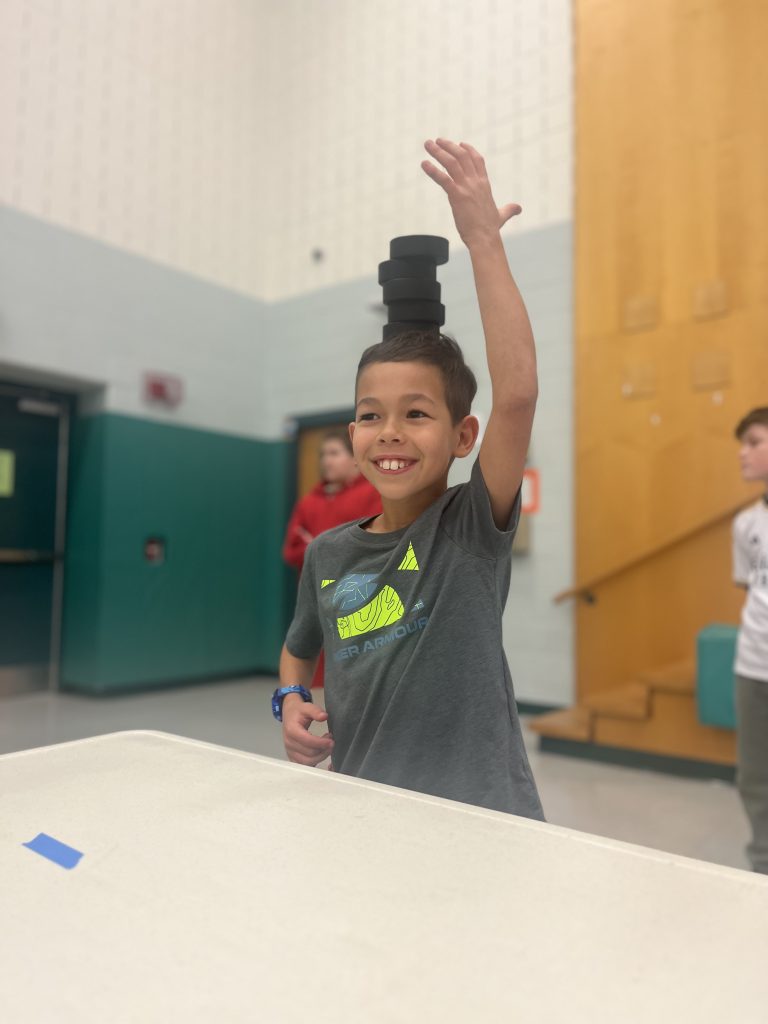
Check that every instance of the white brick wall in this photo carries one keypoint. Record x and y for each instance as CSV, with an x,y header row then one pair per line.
x,y
356,87
139,122
229,138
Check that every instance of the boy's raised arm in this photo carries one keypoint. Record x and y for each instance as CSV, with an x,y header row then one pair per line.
x,y
508,337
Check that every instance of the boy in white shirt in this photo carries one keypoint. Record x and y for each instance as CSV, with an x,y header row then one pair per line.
x,y
750,570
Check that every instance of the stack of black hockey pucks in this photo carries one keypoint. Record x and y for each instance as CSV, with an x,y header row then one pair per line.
x,y
410,285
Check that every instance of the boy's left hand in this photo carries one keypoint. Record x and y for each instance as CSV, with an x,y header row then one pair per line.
x,y
466,184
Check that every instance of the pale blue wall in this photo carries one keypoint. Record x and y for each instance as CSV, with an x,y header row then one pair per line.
x,y
76,306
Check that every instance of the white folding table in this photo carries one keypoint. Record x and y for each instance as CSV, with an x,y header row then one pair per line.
x,y
218,886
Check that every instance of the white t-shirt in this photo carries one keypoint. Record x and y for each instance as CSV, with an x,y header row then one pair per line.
x,y
750,567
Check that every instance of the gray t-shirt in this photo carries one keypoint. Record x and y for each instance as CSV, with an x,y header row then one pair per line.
x,y
417,686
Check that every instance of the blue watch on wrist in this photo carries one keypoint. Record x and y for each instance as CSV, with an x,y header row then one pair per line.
x,y
281,693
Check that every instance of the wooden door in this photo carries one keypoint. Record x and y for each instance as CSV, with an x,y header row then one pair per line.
x,y
310,440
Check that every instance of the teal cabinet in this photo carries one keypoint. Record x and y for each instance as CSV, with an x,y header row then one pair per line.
x,y
715,653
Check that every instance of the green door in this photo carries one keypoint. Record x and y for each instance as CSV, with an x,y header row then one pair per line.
x,y
33,430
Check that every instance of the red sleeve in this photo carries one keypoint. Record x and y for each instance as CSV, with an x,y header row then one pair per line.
x,y
294,546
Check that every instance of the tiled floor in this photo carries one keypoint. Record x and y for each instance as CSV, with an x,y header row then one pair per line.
x,y
693,818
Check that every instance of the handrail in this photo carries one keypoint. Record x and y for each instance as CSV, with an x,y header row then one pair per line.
x,y
584,590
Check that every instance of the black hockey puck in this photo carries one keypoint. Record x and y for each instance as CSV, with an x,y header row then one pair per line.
x,y
408,247
423,268
416,311
410,288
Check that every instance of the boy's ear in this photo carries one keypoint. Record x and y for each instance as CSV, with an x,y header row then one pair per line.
x,y
352,431
468,428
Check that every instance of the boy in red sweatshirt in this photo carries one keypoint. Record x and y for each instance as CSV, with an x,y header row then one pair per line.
x,y
342,495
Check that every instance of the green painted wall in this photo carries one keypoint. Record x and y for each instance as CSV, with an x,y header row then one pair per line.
x,y
217,606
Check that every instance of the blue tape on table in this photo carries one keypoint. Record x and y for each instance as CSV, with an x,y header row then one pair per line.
x,y
66,856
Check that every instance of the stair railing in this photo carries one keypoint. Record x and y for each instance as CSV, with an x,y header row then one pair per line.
x,y
585,591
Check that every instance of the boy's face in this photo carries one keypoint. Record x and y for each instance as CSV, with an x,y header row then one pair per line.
x,y
337,464
753,453
403,436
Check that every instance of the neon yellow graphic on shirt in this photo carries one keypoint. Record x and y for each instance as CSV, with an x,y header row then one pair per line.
x,y
383,610
326,583
409,562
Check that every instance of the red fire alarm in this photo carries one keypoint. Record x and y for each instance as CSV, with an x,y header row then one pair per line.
x,y
163,389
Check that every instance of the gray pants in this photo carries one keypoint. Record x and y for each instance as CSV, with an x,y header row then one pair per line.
x,y
752,772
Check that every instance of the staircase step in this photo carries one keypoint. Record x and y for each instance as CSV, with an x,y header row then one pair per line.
x,y
676,677
673,731
632,701
569,724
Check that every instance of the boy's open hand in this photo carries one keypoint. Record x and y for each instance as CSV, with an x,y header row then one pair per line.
x,y
466,184
301,745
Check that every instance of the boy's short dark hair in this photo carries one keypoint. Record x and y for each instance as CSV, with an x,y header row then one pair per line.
x,y
416,346
757,416
338,435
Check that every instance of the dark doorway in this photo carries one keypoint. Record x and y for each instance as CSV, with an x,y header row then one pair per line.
x,y
34,439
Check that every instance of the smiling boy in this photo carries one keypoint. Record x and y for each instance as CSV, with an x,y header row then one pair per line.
x,y
408,605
